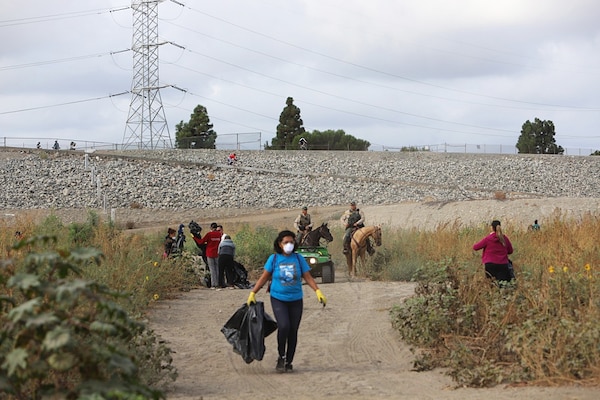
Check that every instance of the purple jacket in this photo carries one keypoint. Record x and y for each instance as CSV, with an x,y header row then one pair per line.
x,y
493,251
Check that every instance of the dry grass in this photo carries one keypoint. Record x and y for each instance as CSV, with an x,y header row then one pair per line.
x,y
544,329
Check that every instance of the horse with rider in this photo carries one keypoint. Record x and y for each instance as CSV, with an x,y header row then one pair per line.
x,y
353,219
303,224
357,237
305,235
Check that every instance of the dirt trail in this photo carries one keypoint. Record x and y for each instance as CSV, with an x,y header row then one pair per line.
x,y
347,350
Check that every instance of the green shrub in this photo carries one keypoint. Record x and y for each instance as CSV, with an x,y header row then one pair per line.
x,y
254,245
83,233
51,226
62,336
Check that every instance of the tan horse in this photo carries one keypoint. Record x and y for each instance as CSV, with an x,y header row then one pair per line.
x,y
358,246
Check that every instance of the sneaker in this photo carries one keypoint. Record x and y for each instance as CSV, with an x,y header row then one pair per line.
x,y
345,251
280,365
289,368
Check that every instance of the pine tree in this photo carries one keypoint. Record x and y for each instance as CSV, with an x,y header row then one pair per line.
x,y
290,126
538,138
198,133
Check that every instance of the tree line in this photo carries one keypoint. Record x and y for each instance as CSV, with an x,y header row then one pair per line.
x,y
537,137
198,133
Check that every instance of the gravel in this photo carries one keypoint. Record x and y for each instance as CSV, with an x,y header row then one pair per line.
x,y
183,179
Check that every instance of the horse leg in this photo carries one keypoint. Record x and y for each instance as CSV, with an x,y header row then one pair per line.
x,y
363,256
349,263
354,259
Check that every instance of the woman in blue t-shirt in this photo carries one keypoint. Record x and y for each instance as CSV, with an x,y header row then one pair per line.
x,y
285,268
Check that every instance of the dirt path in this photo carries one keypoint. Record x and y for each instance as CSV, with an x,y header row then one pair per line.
x,y
347,350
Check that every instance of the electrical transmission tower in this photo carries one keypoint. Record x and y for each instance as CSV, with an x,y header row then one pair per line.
x,y
146,126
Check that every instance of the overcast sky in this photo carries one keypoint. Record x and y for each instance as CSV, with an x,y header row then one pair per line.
x,y
393,72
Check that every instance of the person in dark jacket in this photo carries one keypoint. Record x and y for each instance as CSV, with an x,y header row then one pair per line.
x,y
169,242
496,248
226,257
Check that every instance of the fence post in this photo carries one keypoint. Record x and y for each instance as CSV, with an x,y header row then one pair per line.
x,y
98,189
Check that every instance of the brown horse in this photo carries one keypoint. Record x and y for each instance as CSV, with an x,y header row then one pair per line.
x,y
313,238
358,246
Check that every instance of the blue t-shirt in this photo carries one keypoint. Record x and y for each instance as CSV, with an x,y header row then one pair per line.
x,y
286,279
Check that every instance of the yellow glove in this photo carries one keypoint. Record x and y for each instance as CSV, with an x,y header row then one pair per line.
x,y
251,298
321,297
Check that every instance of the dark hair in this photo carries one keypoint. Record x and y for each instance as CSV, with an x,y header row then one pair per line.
x,y
213,225
498,230
277,248
171,231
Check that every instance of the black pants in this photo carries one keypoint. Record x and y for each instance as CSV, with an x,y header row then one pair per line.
x,y
226,270
288,315
498,272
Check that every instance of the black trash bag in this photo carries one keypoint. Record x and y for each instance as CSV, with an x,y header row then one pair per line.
x,y
206,281
247,329
511,270
241,276
196,231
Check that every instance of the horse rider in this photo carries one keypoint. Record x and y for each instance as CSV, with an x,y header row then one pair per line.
x,y
303,224
352,219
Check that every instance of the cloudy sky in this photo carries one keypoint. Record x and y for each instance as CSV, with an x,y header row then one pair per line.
x,y
393,72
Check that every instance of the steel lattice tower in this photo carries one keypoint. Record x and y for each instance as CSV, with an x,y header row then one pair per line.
x,y
146,126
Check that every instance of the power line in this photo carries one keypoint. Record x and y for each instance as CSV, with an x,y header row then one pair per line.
x,y
62,104
371,69
351,100
61,60
338,75
56,17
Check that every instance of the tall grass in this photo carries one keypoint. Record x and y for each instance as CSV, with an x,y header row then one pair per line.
x,y
543,329
132,263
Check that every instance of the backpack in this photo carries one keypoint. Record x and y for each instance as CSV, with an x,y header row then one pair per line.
x,y
195,229
354,217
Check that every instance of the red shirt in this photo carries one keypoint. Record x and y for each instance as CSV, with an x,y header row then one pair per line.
x,y
212,240
493,251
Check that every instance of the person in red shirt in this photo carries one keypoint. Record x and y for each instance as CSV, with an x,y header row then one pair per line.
x,y
496,248
212,240
231,159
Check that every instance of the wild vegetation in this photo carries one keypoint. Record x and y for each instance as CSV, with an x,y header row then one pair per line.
x,y
70,315
87,286
541,329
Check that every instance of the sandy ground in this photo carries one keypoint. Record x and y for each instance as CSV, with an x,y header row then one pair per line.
x,y
514,214
347,350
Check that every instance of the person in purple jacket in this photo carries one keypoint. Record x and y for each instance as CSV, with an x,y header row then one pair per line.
x,y
496,248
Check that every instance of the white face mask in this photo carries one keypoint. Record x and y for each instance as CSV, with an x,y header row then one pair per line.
x,y
288,248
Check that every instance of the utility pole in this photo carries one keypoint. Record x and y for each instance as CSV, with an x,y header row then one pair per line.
x,y
146,126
